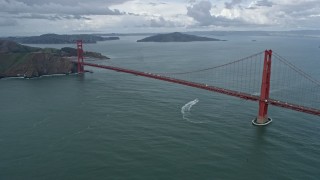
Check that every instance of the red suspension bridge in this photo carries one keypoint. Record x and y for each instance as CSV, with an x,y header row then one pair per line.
x,y
247,78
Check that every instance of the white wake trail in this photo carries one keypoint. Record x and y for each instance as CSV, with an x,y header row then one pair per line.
x,y
186,110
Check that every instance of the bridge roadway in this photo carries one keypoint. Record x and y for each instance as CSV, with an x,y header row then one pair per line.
x,y
241,95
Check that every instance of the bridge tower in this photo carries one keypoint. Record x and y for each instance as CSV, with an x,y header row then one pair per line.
x,y
80,56
263,118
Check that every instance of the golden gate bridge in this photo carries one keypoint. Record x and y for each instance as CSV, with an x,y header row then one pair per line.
x,y
264,77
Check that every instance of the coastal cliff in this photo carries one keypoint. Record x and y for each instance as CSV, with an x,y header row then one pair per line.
x,y
17,60
34,65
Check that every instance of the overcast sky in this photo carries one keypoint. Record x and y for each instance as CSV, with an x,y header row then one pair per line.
x,y
35,17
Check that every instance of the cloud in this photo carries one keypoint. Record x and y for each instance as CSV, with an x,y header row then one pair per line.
x,y
232,4
260,4
22,16
18,7
201,12
72,2
51,17
161,22
261,13
265,3
156,4
299,7
298,13
7,22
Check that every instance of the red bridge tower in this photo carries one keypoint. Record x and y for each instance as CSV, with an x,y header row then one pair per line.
x,y
80,56
263,118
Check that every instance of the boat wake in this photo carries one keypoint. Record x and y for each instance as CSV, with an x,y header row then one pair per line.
x,y
186,111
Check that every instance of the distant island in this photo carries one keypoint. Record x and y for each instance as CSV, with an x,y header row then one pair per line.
x,y
176,37
59,39
18,60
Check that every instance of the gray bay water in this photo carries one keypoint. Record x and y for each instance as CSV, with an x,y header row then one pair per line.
x,y
109,125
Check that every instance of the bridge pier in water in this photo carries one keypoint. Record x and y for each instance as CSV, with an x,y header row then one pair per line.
x,y
80,56
263,118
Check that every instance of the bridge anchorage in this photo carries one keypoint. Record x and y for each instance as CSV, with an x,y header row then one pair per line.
x,y
291,87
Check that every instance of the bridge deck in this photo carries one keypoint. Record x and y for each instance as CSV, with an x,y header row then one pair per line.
x,y
210,88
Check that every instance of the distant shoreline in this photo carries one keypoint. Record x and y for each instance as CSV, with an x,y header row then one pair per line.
x,y
60,39
176,37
